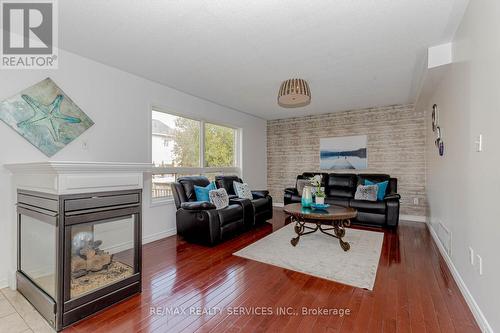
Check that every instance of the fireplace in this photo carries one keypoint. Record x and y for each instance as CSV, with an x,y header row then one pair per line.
x,y
78,253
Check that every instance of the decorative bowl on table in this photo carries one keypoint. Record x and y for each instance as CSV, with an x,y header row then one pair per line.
x,y
319,206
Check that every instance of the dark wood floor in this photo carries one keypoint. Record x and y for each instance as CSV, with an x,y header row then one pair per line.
x,y
414,291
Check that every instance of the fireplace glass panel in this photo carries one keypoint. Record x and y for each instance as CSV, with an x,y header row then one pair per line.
x,y
102,253
38,252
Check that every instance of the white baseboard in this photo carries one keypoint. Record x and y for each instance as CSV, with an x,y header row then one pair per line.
x,y
158,235
4,283
118,247
413,218
11,280
471,302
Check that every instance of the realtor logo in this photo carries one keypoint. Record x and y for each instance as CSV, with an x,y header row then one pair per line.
x,y
29,34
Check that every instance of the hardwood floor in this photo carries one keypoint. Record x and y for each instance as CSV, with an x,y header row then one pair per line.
x,y
414,291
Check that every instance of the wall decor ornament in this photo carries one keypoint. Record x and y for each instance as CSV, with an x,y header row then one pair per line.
x,y
437,129
434,117
45,116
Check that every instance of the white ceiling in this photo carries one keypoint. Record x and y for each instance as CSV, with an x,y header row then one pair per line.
x,y
353,53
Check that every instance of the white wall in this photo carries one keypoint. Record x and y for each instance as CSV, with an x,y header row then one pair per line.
x,y
464,186
119,103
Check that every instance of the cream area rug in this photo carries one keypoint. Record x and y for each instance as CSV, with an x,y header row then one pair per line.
x,y
320,255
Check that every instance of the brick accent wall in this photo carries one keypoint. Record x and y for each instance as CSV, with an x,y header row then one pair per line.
x,y
396,146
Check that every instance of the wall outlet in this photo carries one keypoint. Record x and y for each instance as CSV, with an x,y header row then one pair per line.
x,y
479,264
471,255
85,145
415,201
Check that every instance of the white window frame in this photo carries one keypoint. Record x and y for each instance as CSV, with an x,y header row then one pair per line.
x,y
234,170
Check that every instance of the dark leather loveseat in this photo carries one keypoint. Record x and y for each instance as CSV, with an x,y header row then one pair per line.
x,y
340,189
201,222
262,202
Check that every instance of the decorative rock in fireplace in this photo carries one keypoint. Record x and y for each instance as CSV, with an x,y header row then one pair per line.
x,y
79,236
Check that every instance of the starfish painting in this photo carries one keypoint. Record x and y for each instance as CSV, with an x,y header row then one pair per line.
x,y
45,116
49,116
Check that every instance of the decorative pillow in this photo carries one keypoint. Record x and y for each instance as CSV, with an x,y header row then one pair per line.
x,y
219,198
301,183
382,188
242,190
366,192
202,192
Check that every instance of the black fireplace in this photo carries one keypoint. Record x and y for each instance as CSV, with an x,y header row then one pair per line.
x,y
78,253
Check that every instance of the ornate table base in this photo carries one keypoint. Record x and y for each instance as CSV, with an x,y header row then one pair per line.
x,y
338,227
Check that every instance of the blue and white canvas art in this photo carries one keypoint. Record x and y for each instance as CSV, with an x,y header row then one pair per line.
x,y
45,116
343,153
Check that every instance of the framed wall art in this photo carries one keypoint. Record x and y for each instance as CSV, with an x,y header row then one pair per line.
x,y
45,116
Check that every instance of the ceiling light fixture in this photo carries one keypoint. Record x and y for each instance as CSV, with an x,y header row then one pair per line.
x,y
294,93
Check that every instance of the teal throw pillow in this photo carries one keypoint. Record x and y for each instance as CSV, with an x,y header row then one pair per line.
x,y
202,192
382,188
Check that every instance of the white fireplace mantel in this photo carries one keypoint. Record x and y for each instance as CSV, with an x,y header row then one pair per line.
x,y
78,177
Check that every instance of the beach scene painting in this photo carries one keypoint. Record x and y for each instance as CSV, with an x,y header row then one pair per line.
x,y
343,153
45,116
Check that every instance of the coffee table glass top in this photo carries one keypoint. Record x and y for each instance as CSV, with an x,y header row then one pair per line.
x,y
331,213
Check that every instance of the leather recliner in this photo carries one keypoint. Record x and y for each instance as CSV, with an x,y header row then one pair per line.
x,y
261,203
340,189
200,221
291,193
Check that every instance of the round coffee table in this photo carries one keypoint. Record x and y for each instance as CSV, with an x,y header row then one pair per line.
x,y
336,217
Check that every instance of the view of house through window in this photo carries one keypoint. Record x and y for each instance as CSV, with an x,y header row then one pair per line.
x,y
176,141
176,150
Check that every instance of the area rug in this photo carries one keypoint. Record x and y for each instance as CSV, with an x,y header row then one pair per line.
x,y
320,255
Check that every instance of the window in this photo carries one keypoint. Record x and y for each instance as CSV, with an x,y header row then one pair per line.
x,y
219,146
175,141
182,147
160,185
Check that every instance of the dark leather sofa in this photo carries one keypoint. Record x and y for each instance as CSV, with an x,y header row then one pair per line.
x,y
340,189
200,222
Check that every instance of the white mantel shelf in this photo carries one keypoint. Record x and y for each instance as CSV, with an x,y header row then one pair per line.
x,y
64,167
78,177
